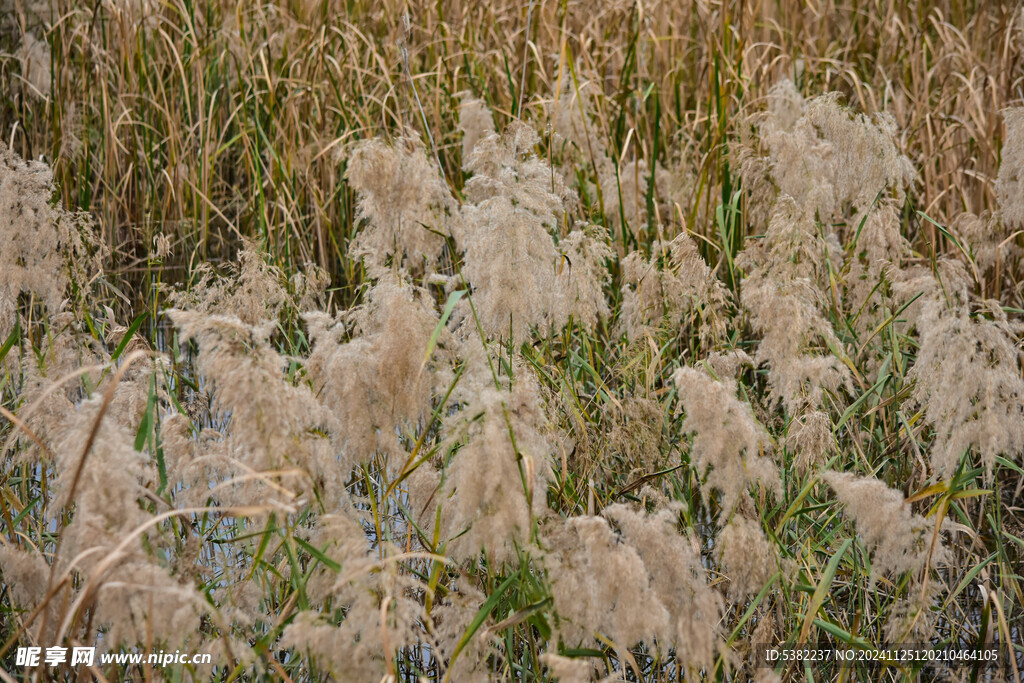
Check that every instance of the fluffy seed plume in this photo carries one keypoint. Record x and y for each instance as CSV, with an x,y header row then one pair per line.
x,y
1009,183
476,123
747,558
784,298
660,592
375,382
899,539
251,289
582,276
968,381
831,158
511,258
43,248
403,201
496,482
727,438
674,283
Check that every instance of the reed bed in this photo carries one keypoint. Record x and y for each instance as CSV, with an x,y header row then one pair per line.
x,y
542,341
